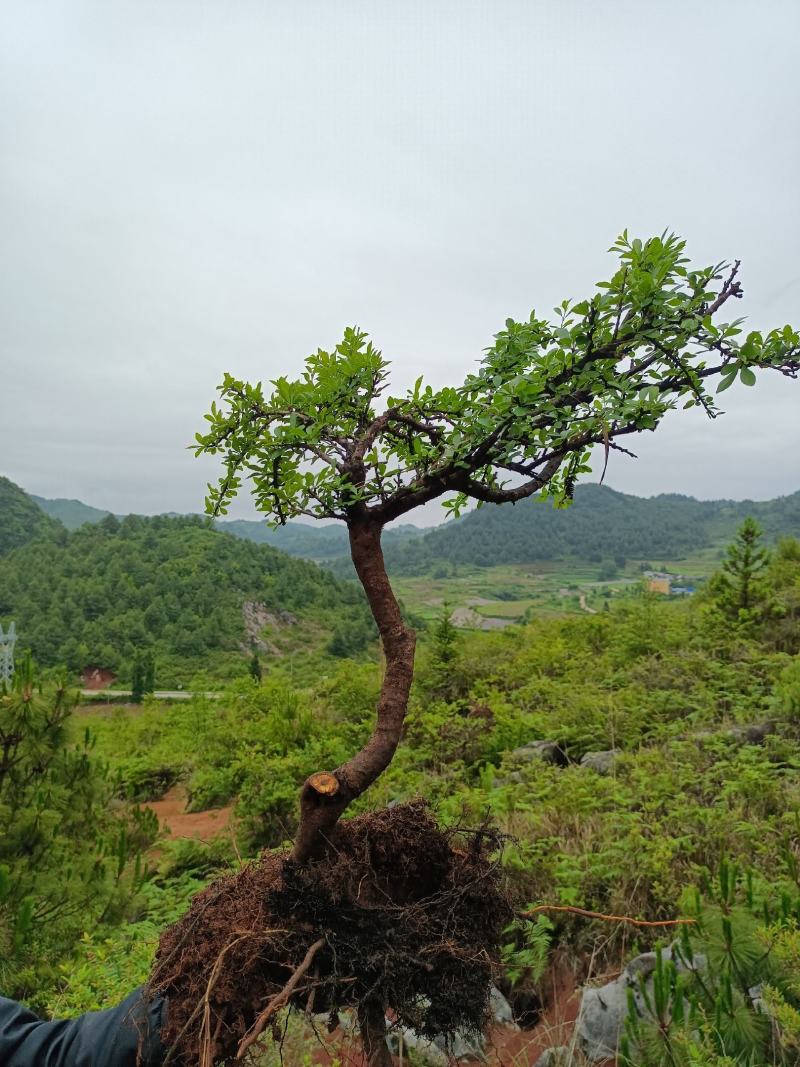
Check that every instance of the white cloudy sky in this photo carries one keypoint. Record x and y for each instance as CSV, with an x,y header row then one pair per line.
x,y
193,187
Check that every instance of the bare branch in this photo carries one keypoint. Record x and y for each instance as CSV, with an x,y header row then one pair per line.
x,y
731,288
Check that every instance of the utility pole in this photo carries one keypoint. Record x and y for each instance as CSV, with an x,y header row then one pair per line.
x,y
7,642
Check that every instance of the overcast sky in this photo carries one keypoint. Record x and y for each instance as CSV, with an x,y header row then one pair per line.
x,y
194,187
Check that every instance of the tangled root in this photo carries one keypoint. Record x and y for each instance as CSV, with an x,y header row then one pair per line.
x,y
399,914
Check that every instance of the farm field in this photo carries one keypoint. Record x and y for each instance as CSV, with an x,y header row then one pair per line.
x,y
513,592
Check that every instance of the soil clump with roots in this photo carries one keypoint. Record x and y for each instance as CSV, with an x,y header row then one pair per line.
x,y
399,916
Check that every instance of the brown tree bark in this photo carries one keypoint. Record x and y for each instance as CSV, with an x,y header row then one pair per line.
x,y
372,1025
325,795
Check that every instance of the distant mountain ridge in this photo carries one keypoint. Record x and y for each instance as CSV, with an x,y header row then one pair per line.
x,y
602,523
319,542
71,513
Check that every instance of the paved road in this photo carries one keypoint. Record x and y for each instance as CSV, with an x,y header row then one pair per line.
x,y
160,694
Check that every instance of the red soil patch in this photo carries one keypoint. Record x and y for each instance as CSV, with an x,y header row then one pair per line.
x,y
521,1048
177,822
97,678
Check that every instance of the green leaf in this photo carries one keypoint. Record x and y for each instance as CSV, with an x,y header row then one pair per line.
x,y
747,377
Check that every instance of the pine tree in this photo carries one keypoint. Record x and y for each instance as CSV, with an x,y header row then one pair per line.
x,y
445,637
739,590
444,658
137,680
68,858
255,668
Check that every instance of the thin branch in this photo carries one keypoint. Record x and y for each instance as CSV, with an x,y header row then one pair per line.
x,y
730,288
600,915
278,1001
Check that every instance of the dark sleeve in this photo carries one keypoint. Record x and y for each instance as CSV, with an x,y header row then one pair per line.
x,y
113,1038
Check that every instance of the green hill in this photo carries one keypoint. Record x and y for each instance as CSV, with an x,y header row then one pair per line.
x,y
317,542
21,520
199,598
71,513
600,524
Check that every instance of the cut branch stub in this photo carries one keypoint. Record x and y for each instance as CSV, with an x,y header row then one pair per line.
x,y
323,798
324,783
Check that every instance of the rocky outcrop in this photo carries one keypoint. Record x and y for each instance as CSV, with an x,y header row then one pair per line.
x,y
754,733
546,751
257,617
604,1009
600,762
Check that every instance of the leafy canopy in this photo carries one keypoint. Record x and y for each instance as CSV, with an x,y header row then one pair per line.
x,y
544,394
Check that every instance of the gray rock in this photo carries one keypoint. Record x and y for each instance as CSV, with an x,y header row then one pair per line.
x,y
466,1048
546,751
600,762
756,994
602,1018
753,733
604,1009
559,1056
501,1009
514,778
404,1040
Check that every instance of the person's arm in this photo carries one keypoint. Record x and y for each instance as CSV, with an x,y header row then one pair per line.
x,y
125,1036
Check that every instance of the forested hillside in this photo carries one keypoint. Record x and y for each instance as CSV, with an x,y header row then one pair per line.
x,y
176,586
317,542
309,541
70,513
21,520
600,524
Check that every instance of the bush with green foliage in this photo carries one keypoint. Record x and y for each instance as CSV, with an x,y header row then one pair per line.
x,y
67,859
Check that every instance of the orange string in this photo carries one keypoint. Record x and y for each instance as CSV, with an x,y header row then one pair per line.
x,y
607,918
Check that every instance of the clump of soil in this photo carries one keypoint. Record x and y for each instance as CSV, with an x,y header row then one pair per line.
x,y
406,917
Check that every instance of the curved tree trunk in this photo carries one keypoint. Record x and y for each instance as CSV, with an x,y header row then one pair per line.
x,y
325,795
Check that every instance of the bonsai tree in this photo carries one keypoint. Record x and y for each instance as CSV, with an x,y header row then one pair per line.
x,y
419,936
545,394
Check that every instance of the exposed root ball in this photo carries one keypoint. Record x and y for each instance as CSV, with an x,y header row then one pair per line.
x,y
409,918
